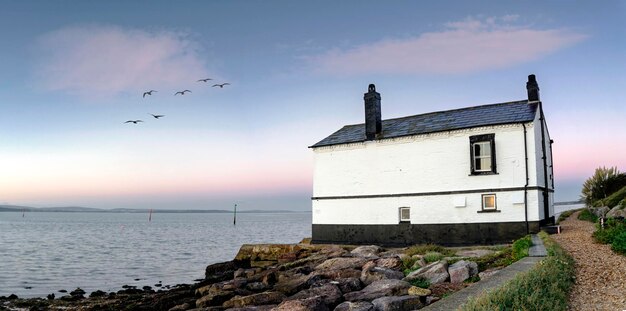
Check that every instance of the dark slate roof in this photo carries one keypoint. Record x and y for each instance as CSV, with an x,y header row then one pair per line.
x,y
494,114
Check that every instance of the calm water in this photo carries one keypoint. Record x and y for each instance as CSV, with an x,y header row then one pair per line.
x,y
42,253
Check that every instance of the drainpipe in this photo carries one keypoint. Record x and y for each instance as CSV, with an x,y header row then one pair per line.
x,y
546,209
526,185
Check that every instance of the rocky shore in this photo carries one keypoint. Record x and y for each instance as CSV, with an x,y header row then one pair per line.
x,y
294,277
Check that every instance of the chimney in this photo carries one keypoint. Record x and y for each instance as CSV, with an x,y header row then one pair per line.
x,y
373,123
533,89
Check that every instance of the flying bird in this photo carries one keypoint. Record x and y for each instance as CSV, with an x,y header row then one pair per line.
x,y
221,85
133,121
205,80
156,116
148,93
182,92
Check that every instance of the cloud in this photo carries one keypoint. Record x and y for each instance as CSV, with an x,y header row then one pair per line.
x,y
108,60
464,46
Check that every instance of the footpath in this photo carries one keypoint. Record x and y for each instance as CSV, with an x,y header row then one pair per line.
x,y
600,273
536,253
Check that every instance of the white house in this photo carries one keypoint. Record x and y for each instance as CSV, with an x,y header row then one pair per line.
x,y
476,175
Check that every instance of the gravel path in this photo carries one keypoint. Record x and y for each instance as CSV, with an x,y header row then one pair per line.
x,y
600,273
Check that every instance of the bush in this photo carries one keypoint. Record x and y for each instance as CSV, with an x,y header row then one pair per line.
x,y
426,248
587,215
420,282
604,182
616,198
553,275
619,243
612,228
520,248
433,256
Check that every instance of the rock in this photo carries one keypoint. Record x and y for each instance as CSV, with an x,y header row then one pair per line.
x,y
97,293
371,273
288,257
181,307
342,263
290,284
355,306
462,270
616,211
418,291
51,296
347,285
303,304
256,286
600,211
332,251
431,299
475,253
249,308
436,272
214,298
487,273
329,293
263,252
338,274
77,292
397,303
367,251
379,289
390,262
220,271
264,298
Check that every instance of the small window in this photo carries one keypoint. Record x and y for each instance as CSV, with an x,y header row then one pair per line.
x,y
489,202
405,214
483,154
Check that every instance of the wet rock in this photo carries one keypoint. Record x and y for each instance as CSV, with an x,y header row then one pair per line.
x,y
342,263
355,306
367,251
329,293
97,293
436,272
12,297
264,298
397,303
373,273
51,296
303,304
147,288
379,289
62,291
390,262
462,270
220,271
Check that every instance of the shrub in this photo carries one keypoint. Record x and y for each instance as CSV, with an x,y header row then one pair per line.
x,y
420,282
426,248
566,214
553,275
587,215
615,198
433,256
520,248
612,228
604,182
407,264
619,243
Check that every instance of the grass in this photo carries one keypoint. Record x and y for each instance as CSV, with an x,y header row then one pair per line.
x,y
553,275
566,214
433,256
420,282
587,215
428,248
615,198
614,233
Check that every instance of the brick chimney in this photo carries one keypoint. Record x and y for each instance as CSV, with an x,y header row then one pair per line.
x,y
533,89
373,122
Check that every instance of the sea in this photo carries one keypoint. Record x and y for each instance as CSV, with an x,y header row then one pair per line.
x,y
45,252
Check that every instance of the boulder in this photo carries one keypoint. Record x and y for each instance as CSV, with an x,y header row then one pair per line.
x,y
462,270
304,304
367,251
214,298
290,284
397,303
379,289
256,286
332,251
338,274
248,308
617,211
329,293
436,272
220,271
342,263
355,306
418,291
600,211
263,252
265,298
371,273
347,285
390,262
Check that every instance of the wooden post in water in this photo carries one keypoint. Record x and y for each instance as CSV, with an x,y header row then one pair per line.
x,y
235,216
150,217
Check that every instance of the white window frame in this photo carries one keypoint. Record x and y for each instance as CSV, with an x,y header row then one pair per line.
x,y
483,201
479,158
400,210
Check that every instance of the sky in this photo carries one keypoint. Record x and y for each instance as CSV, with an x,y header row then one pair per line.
x,y
72,73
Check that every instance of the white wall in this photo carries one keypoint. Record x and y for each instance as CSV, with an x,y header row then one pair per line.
x,y
423,163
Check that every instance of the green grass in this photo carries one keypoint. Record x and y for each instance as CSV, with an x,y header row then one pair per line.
x,y
427,248
520,248
566,214
619,243
587,215
615,198
420,282
554,276
433,256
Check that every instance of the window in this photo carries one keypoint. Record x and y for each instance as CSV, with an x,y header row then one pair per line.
x,y
405,214
483,154
489,202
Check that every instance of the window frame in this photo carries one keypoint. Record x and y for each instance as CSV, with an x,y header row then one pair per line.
x,y
495,203
404,220
476,139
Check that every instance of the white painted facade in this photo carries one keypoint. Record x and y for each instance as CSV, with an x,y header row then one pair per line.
x,y
367,182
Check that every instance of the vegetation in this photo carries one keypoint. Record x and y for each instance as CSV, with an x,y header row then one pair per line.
x,y
603,183
587,215
616,198
427,248
433,256
566,214
554,276
420,282
619,243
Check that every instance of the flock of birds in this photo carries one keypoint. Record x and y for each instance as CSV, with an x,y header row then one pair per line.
x,y
157,116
